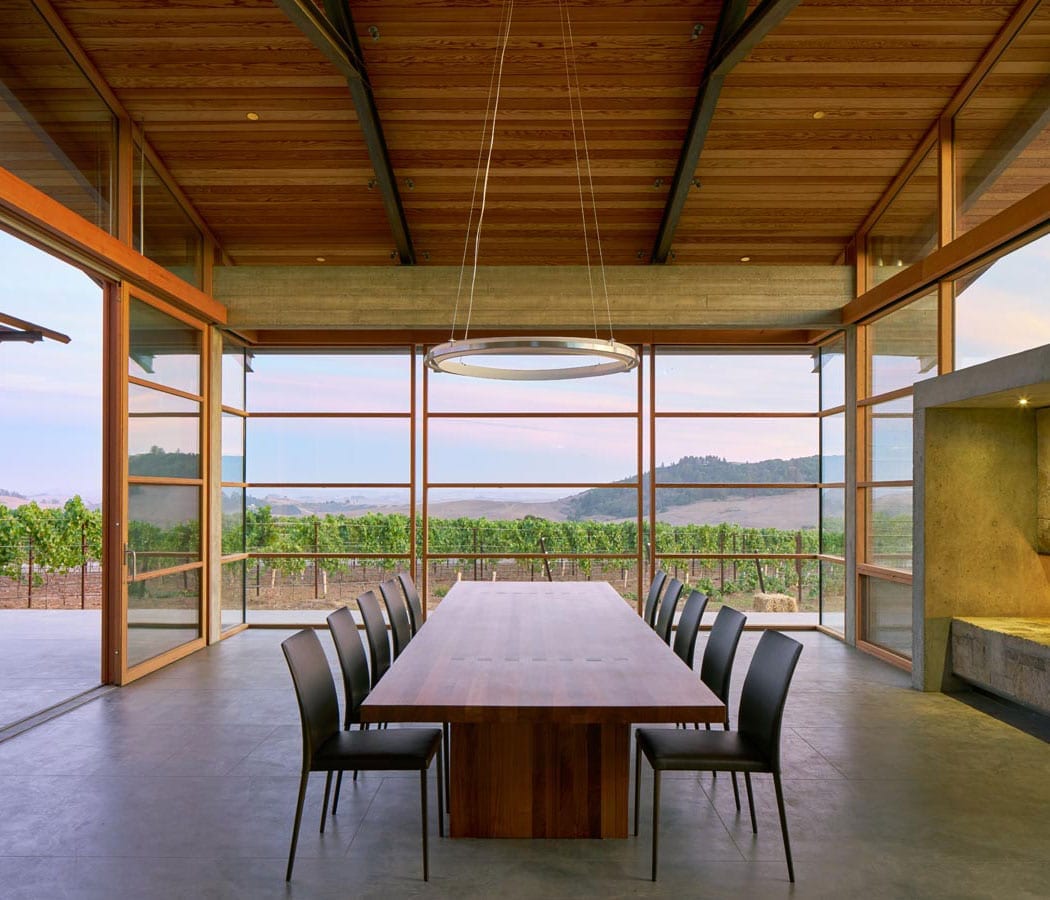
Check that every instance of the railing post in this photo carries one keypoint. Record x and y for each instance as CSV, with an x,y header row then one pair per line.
x,y
29,599
317,586
798,566
83,562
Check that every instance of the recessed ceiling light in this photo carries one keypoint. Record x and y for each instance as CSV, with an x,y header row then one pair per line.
x,y
1023,401
745,259
819,114
319,258
252,116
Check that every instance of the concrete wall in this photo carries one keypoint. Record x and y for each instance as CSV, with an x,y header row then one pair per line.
x,y
517,297
981,484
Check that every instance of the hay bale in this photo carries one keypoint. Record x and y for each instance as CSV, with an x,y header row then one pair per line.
x,y
766,602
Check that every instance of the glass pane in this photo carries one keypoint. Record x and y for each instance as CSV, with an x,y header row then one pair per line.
x,y
163,613
443,575
833,521
296,590
1003,308
232,521
533,450
163,527
1002,134
514,525
904,346
833,374
758,587
833,448
329,382
232,448
759,511
887,616
161,229
693,382
611,393
737,450
907,231
889,528
163,349
283,520
234,360
233,593
328,450
731,520
163,434
891,425
56,133
833,596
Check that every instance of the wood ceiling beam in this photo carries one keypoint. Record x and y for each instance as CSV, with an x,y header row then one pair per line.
x,y
335,37
734,39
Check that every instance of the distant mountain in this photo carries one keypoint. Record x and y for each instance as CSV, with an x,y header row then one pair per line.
x,y
604,503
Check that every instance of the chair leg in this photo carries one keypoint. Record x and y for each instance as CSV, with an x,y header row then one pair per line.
x,y
338,784
447,738
736,791
324,807
441,793
637,782
784,824
750,802
295,827
363,726
656,818
423,804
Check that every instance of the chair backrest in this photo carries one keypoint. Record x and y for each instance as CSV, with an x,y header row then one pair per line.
x,y
397,612
716,669
689,627
415,606
655,586
665,619
314,689
352,660
765,693
375,631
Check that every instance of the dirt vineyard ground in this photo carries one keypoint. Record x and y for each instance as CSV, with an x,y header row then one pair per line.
x,y
272,590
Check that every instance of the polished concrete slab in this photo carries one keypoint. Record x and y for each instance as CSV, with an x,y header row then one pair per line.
x,y
183,785
46,657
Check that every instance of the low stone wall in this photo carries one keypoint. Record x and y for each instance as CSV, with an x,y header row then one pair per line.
x,y
1005,655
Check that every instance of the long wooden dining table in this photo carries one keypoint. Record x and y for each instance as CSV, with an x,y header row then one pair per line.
x,y
541,683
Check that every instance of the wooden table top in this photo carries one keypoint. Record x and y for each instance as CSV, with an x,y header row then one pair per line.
x,y
570,652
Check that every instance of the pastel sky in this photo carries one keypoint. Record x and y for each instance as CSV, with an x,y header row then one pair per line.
x,y
50,397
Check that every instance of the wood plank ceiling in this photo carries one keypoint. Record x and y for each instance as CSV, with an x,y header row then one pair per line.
x,y
778,184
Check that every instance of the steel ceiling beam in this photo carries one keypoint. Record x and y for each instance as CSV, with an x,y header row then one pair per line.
x,y
735,37
333,34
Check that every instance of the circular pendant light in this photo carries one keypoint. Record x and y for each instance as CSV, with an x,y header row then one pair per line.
x,y
510,356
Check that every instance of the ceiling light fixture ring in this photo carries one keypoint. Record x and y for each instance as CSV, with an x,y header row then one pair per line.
x,y
607,357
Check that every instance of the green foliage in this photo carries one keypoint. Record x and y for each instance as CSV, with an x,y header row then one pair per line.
x,y
61,539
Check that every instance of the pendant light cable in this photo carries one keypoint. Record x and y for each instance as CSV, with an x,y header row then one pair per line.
x,y
501,36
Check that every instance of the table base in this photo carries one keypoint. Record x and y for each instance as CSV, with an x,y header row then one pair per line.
x,y
539,780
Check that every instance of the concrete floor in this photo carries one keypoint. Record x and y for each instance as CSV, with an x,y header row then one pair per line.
x,y
183,785
46,656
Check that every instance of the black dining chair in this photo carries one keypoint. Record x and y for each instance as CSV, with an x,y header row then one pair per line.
x,y
397,613
375,632
689,627
753,747
716,667
653,597
354,665
415,605
665,618
328,749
